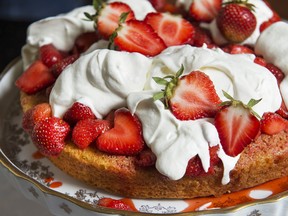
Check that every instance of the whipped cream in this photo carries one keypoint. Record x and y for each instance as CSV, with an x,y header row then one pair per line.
x,y
103,80
274,49
262,13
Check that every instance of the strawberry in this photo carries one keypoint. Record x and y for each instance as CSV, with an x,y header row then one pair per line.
x,y
138,36
77,112
236,21
283,111
260,60
109,15
49,55
277,72
237,49
195,168
86,131
190,97
58,67
174,30
36,78
158,4
32,116
237,125
84,41
202,36
272,123
204,10
49,135
273,19
125,138
145,158
115,204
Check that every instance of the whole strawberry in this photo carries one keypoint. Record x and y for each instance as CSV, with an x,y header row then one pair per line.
x,y
49,134
236,21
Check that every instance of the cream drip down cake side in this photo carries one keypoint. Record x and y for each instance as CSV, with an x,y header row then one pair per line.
x,y
189,96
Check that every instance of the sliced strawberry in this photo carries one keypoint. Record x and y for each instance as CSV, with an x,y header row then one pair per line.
x,y
115,204
237,49
77,112
272,123
195,168
49,55
237,126
236,21
204,10
194,97
34,115
125,138
174,30
277,72
58,67
86,131
36,78
84,41
49,136
109,15
190,97
146,158
138,36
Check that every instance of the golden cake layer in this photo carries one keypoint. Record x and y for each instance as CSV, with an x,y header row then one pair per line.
x,y
263,160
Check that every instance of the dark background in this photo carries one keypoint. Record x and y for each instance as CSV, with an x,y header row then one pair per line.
x,y
16,15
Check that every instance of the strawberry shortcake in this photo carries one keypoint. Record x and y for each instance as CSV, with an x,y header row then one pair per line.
x,y
153,99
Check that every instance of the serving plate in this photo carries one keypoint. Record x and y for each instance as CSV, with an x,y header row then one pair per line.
x,y
38,179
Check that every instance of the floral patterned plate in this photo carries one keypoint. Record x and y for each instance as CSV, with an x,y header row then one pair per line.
x,y
40,180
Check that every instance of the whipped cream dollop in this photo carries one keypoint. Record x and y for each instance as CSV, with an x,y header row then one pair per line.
x,y
274,49
106,79
262,13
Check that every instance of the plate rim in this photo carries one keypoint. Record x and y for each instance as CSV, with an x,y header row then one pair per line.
x,y
17,173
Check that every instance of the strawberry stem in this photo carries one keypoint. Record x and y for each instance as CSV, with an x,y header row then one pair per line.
x,y
169,84
245,3
122,19
231,101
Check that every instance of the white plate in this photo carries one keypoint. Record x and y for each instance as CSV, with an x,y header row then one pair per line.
x,y
40,180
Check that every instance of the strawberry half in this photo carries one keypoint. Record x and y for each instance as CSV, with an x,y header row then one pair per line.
x,y
86,131
190,97
138,36
77,112
272,123
204,10
174,30
125,138
49,55
108,17
49,135
236,21
32,116
115,204
36,78
195,168
237,125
